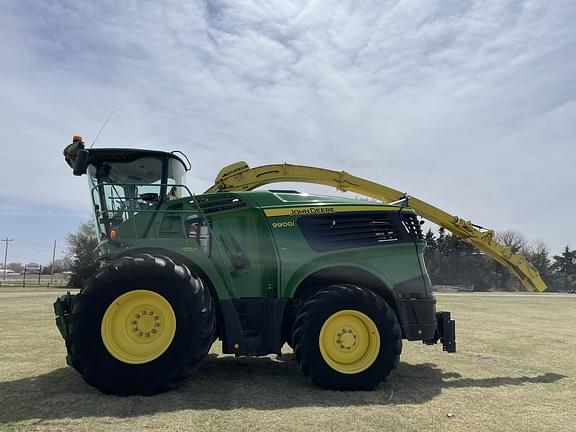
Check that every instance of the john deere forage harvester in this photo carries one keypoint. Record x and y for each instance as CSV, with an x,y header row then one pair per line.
x,y
342,281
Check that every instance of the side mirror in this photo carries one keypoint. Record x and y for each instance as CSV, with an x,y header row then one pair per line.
x,y
81,163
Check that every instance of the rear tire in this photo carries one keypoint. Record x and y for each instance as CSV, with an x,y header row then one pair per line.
x,y
140,325
347,338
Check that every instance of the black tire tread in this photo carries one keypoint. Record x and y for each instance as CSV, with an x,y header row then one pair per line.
x,y
202,313
303,331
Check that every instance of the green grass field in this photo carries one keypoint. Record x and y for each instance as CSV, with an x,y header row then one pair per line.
x,y
515,370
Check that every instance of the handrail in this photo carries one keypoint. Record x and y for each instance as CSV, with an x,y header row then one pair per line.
x,y
94,190
142,184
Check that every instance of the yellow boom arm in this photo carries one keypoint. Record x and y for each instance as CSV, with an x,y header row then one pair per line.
x,y
240,177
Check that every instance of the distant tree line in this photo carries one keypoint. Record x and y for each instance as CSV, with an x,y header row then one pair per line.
x,y
452,261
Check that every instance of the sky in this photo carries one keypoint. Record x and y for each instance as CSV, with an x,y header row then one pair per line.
x,y
469,105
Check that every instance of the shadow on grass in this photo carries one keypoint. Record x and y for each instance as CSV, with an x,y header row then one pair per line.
x,y
225,383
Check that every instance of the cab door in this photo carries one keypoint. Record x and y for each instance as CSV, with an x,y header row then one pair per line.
x,y
241,245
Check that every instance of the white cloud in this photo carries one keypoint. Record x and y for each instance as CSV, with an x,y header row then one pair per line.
x,y
469,105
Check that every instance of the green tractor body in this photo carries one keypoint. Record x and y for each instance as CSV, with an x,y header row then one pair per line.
x,y
340,280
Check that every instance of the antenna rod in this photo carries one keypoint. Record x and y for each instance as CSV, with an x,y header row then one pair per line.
x,y
102,128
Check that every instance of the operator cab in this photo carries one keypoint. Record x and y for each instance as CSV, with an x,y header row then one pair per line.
x,y
125,182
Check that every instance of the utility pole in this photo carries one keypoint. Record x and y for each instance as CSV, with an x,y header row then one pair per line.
x,y
7,240
53,258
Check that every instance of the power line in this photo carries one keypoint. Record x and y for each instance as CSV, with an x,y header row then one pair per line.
x,y
27,250
43,248
35,243
16,257
35,248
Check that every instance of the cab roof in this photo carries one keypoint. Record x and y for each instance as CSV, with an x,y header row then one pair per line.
x,y
126,155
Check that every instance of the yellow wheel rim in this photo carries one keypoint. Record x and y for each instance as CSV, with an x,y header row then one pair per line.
x,y
349,341
138,327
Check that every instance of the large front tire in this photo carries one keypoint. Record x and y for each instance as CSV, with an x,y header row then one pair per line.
x,y
140,325
347,338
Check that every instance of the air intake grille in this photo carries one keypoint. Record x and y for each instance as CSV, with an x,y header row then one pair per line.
x,y
213,204
349,230
412,225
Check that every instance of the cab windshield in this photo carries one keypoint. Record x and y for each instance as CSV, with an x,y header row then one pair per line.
x,y
121,189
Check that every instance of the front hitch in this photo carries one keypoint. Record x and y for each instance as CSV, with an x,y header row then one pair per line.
x,y
62,308
445,332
